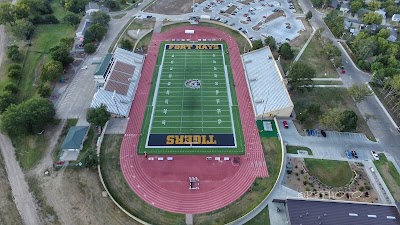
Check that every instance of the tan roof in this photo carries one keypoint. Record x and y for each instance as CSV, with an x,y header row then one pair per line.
x,y
118,87
123,67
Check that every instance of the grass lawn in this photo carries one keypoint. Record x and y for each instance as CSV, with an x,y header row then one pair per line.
x,y
243,45
293,149
330,172
327,82
89,146
122,193
328,98
389,174
260,189
29,149
314,56
119,16
261,219
145,41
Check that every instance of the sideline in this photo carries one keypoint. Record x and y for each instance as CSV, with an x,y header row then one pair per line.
x,y
98,145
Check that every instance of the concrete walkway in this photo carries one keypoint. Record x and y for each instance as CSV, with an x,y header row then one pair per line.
x,y
325,86
305,46
326,79
19,187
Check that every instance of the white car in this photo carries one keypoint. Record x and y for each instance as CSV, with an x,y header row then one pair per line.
x,y
375,155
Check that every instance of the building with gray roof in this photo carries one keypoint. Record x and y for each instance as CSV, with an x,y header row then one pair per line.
x,y
328,212
117,78
267,87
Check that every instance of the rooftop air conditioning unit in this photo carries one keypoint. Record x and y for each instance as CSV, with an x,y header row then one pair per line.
x,y
248,61
253,79
259,101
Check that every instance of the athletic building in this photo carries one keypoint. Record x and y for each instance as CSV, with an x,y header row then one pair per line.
x,y
117,78
268,91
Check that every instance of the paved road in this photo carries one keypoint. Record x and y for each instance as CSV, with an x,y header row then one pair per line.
x,y
75,100
19,188
379,123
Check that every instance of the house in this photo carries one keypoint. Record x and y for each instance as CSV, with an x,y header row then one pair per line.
x,y
344,7
393,35
396,17
91,7
73,143
117,79
381,12
316,211
83,26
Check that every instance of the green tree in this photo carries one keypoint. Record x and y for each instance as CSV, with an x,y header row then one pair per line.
x,y
383,33
286,51
97,32
126,44
257,44
359,93
332,119
335,23
29,117
270,41
51,70
11,87
75,6
332,51
100,18
21,10
72,18
23,29
6,99
348,120
44,91
89,48
372,18
14,66
390,10
374,5
355,6
309,15
61,53
300,74
7,13
98,116
14,74
13,53
317,3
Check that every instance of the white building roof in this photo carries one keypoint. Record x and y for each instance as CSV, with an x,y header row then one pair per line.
x,y
122,80
268,90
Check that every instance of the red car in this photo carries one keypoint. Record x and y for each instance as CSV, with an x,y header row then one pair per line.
x,y
285,124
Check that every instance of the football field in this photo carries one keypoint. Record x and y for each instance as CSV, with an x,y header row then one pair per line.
x,y
192,108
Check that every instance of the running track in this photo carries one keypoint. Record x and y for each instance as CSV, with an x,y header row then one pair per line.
x,y
166,187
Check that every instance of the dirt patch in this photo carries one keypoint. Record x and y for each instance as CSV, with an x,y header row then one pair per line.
x,y
246,2
76,196
360,190
77,62
274,16
172,7
231,9
8,211
37,72
299,41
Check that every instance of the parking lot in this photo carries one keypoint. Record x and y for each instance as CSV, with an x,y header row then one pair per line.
x,y
333,146
257,19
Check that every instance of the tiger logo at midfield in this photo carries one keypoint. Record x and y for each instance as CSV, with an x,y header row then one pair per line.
x,y
193,83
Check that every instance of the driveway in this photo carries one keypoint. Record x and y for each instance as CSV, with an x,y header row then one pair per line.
x,y
333,146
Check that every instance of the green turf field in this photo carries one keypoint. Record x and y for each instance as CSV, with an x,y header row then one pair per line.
x,y
192,107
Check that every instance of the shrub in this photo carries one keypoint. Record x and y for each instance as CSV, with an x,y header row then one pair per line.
x,y
361,188
14,74
44,91
49,19
13,66
89,48
11,88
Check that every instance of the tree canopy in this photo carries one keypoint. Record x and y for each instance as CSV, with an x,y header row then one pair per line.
x,y
332,119
98,116
270,41
348,120
359,93
72,18
61,53
257,44
300,74
126,44
100,18
6,99
29,117
335,23
372,18
51,70
23,29
286,51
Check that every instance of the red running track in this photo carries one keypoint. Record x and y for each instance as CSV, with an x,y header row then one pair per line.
x,y
165,184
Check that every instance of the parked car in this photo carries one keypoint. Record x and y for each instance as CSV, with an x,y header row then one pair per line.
x,y
323,133
348,154
375,155
354,154
240,28
285,124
